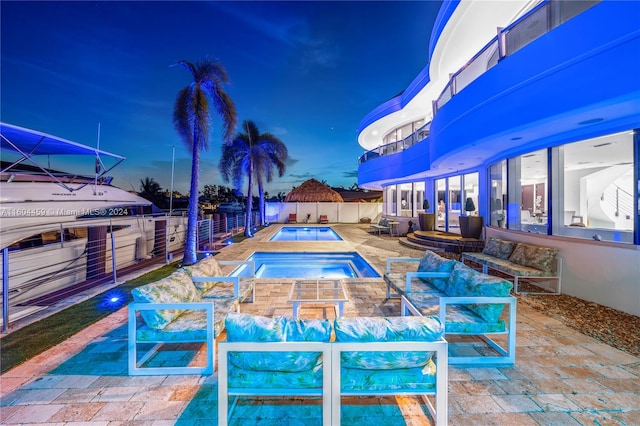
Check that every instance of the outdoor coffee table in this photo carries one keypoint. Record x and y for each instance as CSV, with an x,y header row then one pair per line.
x,y
318,291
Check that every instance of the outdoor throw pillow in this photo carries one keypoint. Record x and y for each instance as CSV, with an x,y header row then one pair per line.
x,y
175,288
501,249
468,282
207,267
431,262
254,328
541,258
390,329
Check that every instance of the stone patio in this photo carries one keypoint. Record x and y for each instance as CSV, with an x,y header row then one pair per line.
x,y
561,377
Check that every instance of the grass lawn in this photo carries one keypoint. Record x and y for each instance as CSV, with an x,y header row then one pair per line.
x,y
33,339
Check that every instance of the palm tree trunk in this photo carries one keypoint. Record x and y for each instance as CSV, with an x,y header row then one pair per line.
x,y
247,217
261,201
190,256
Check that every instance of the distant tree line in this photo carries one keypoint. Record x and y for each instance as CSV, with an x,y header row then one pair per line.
x,y
214,194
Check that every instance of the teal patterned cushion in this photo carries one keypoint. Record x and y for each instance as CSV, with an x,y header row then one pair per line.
x,y
307,379
458,319
383,222
253,328
465,281
207,267
419,378
177,287
398,282
431,262
499,248
390,329
534,256
225,289
298,330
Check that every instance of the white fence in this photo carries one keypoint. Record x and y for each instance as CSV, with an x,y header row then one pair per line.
x,y
311,212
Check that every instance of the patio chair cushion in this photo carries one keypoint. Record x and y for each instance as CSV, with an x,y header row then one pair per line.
x,y
431,262
398,281
361,380
265,380
177,287
465,281
380,329
458,318
501,249
254,328
190,326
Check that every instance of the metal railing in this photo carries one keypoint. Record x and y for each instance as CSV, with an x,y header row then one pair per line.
x,y
391,148
619,201
83,254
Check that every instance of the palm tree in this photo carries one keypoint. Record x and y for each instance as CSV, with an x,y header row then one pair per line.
x,y
192,121
151,190
252,154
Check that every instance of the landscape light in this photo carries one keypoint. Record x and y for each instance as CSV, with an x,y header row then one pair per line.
x,y
114,299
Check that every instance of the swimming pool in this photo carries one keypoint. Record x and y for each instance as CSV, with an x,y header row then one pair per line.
x,y
306,233
309,265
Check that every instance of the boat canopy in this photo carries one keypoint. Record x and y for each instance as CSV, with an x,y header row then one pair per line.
x,y
29,144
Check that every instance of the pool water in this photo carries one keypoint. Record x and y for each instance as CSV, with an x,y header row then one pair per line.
x,y
306,233
309,265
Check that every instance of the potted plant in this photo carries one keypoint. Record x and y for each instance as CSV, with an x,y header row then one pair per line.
x,y
427,220
470,226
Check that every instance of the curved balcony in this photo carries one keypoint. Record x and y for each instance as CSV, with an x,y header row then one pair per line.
x,y
522,89
398,146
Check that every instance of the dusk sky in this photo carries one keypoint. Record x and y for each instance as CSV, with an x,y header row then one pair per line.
x,y
307,72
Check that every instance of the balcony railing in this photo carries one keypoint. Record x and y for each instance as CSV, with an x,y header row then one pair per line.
x,y
391,148
537,22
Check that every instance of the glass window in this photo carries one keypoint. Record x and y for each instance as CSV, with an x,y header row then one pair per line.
x,y
419,193
389,207
454,204
441,190
406,199
498,193
471,193
528,180
595,188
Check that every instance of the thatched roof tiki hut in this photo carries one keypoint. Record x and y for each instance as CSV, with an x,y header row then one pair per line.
x,y
313,191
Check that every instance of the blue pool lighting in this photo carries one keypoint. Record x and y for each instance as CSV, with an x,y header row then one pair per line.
x,y
306,233
309,265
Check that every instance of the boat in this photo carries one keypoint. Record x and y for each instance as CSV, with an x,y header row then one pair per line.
x,y
230,208
58,229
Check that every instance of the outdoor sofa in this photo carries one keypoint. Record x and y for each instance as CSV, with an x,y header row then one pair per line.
x,y
188,306
540,266
467,302
330,359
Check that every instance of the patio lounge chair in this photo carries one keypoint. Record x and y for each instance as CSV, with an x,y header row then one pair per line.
x,y
323,218
292,218
380,226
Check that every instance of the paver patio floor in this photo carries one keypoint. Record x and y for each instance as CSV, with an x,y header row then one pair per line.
x,y
561,377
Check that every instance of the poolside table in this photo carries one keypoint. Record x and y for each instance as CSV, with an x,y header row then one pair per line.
x,y
318,291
